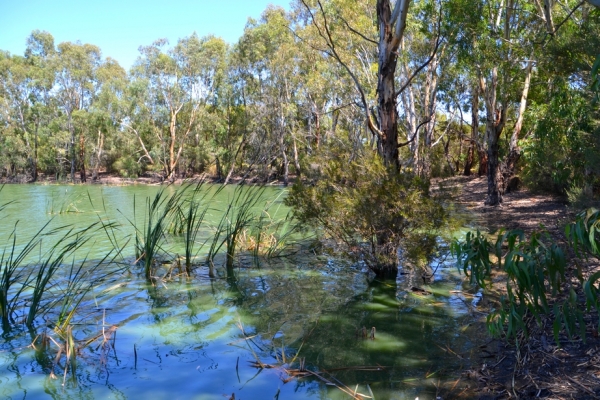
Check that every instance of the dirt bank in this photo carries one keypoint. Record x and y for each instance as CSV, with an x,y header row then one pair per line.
x,y
537,367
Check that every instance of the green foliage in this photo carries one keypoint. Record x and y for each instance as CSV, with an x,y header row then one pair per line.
x,y
535,272
368,209
582,233
127,167
150,235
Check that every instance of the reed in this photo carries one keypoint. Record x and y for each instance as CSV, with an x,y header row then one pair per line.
x,y
15,274
83,277
51,263
151,235
238,216
194,212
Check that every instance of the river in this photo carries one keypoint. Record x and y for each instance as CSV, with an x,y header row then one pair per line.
x,y
299,317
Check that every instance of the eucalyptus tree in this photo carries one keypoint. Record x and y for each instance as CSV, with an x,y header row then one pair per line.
x,y
268,60
424,59
25,100
329,99
497,46
107,113
76,86
171,88
391,24
563,152
17,110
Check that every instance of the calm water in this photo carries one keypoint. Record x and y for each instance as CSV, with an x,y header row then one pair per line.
x,y
201,338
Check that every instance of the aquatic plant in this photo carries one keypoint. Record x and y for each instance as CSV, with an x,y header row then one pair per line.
x,y
194,211
52,261
238,215
14,273
66,204
150,236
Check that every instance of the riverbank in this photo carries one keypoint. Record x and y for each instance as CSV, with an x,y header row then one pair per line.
x,y
537,367
146,179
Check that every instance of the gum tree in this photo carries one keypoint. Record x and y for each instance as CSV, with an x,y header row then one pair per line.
x,y
173,87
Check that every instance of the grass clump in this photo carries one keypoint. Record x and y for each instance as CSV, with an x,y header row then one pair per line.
x,y
151,234
239,215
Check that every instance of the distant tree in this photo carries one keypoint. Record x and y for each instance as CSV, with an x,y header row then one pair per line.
x,y
172,88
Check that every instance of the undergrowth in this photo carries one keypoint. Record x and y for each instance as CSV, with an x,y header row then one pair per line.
x,y
535,276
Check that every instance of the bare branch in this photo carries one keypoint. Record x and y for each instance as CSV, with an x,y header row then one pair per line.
x,y
414,134
146,154
438,42
426,63
300,38
357,32
329,41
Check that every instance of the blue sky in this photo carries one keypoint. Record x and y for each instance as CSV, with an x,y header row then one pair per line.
x,y
119,27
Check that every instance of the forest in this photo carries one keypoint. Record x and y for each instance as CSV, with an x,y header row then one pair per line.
x,y
506,87
362,108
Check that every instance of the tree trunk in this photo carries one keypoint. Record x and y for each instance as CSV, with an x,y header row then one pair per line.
x,y
35,154
391,29
317,139
98,156
219,169
72,149
285,162
388,114
474,135
82,174
514,152
296,158
494,194
495,121
483,162
470,160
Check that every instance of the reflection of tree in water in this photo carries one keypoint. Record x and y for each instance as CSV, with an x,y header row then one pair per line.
x,y
287,302
324,313
407,334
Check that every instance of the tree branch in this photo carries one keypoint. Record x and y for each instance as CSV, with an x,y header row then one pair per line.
x,y
426,63
329,42
357,32
414,134
438,41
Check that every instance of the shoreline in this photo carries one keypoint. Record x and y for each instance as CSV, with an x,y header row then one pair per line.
x,y
155,180
537,367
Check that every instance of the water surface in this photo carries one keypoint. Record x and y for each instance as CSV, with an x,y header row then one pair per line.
x,y
203,338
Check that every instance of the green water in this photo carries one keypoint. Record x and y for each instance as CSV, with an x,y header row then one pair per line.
x,y
201,338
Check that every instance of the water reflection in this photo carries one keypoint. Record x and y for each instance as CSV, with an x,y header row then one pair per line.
x,y
181,338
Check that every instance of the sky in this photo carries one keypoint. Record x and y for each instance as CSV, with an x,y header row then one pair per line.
x,y
120,27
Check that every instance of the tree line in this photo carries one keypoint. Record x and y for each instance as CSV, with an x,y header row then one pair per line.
x,y
435,87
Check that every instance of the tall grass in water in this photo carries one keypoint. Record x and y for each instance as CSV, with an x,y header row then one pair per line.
x,y
193,212
183,212
238,216
42,280
14,273
150,236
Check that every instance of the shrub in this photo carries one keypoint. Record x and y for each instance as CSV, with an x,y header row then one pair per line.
x,y
368,210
